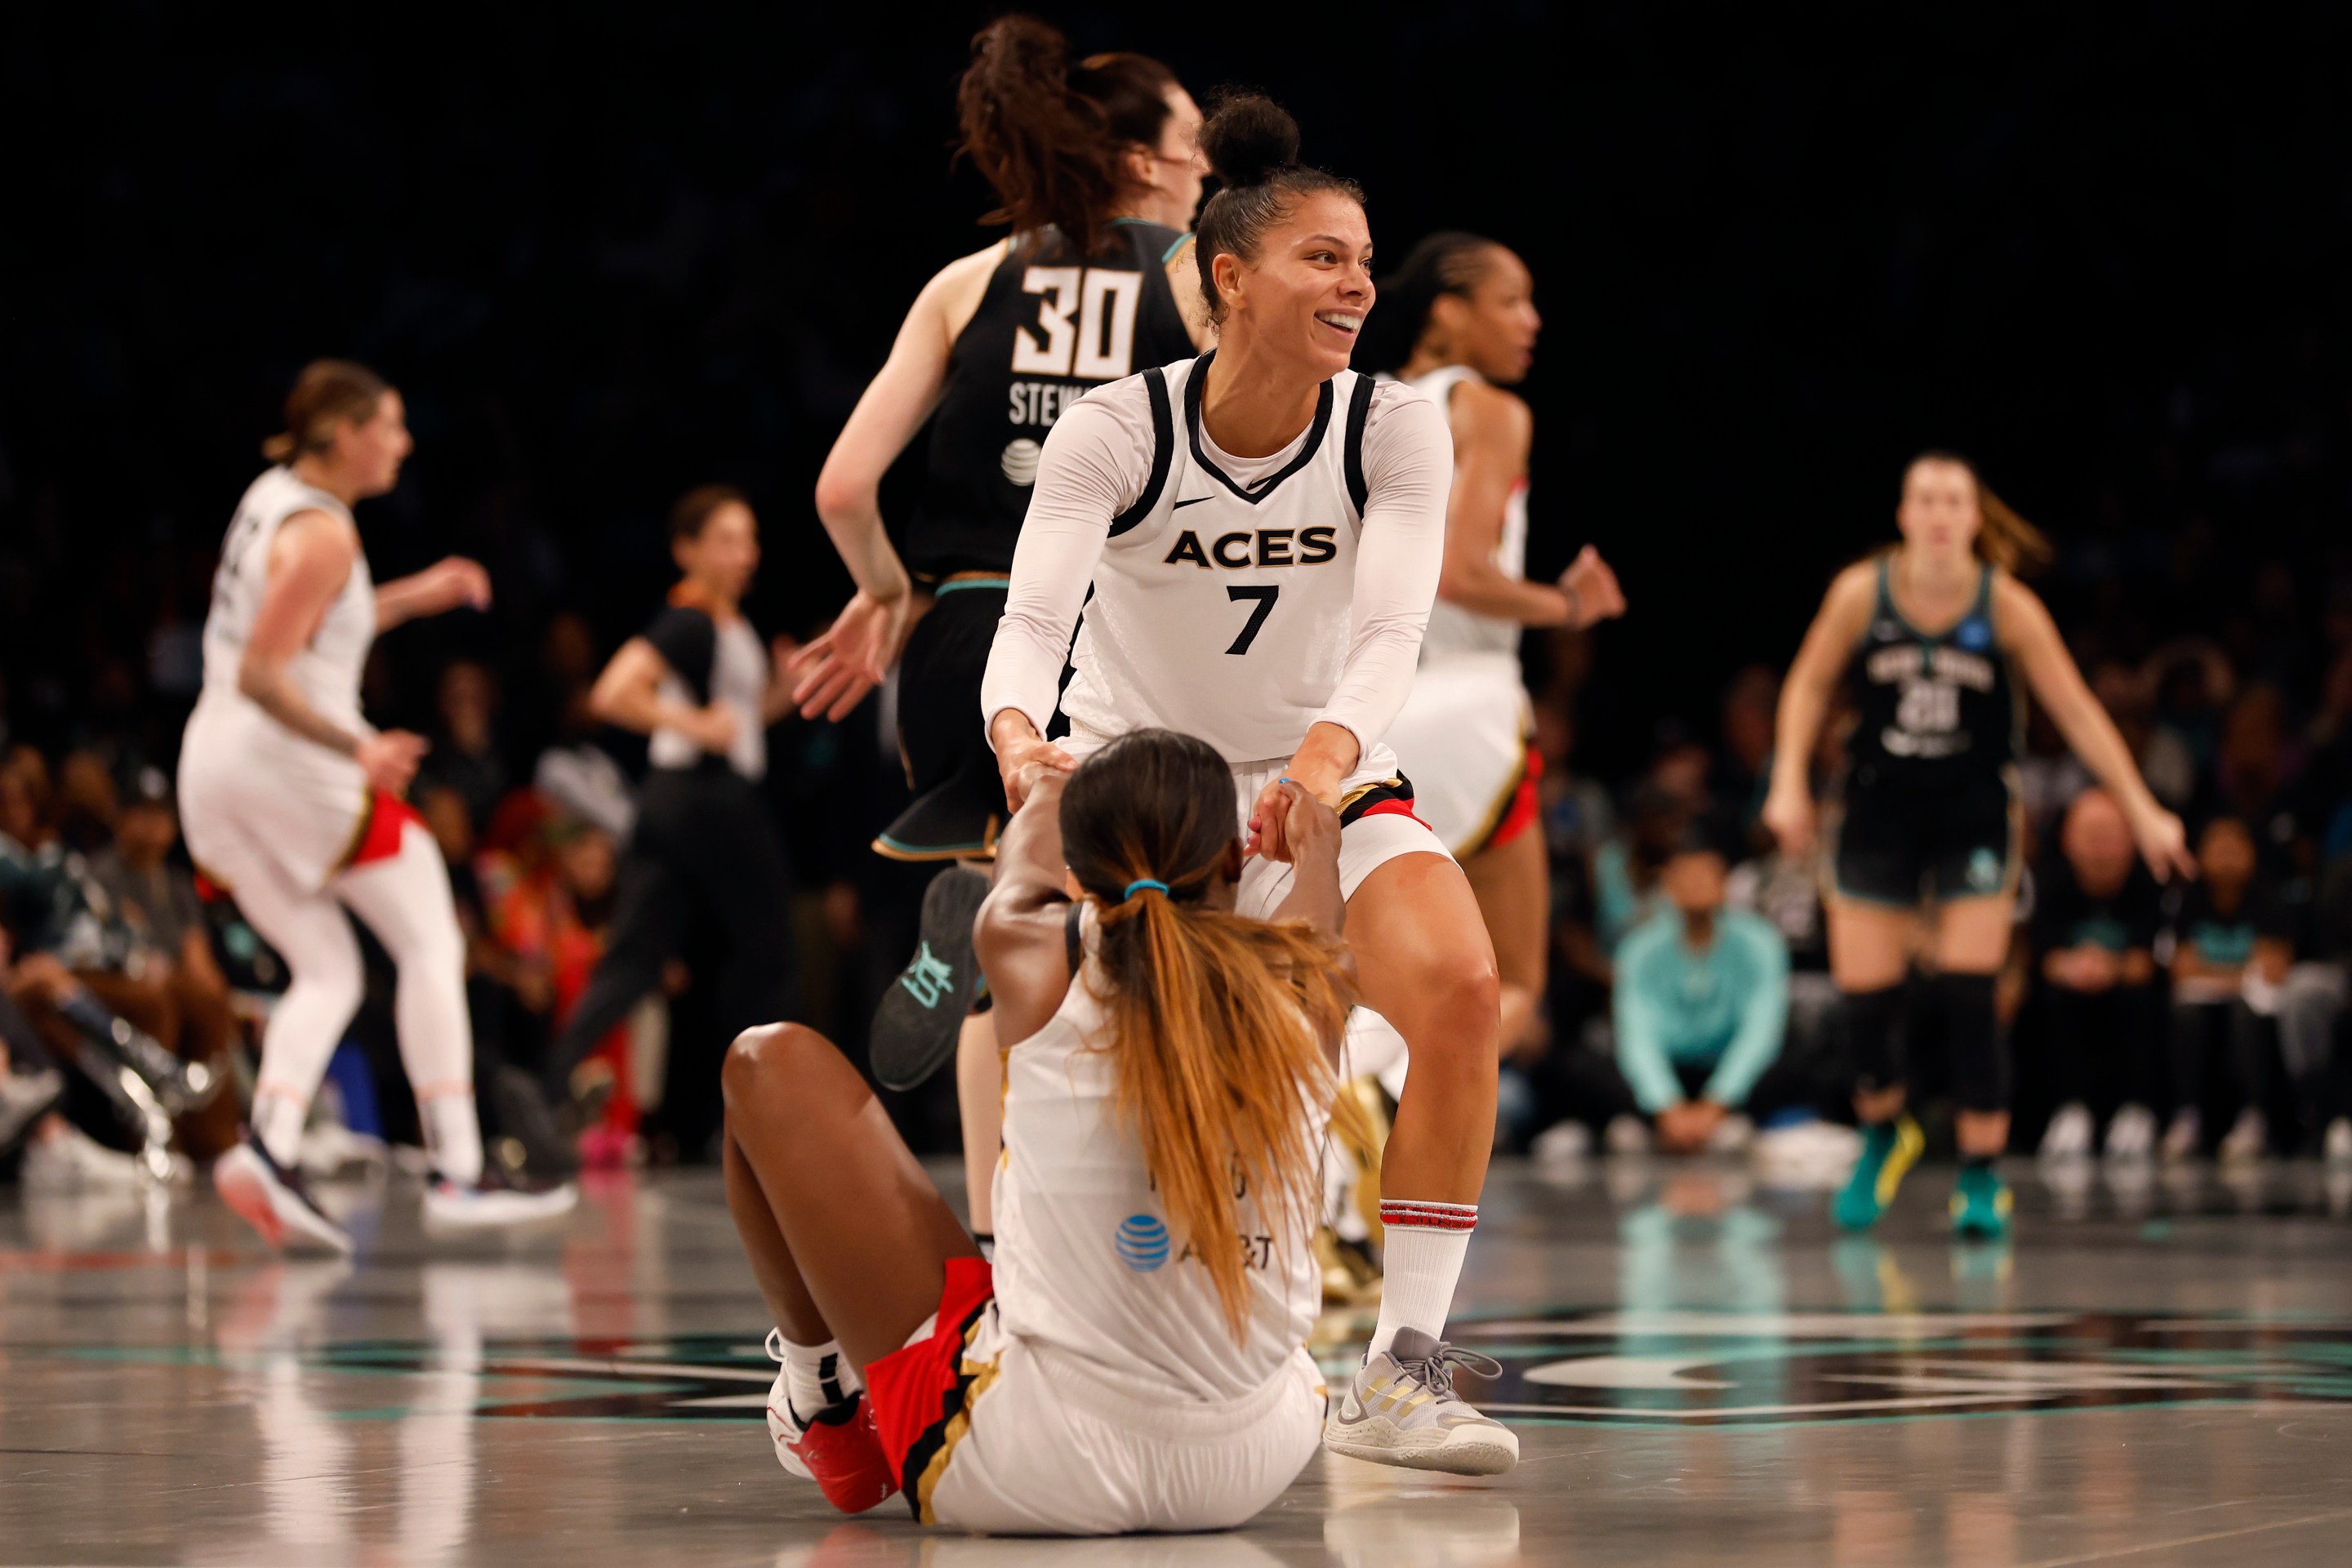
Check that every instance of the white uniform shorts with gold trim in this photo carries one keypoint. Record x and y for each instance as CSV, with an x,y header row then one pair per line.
x,y
1049,1448
1462,738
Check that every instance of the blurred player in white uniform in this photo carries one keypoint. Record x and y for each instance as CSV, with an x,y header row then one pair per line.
x,y
292,801
1136,1358
1461,318
1261,529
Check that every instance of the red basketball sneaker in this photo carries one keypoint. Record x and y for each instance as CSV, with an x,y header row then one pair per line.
x,y
836,1448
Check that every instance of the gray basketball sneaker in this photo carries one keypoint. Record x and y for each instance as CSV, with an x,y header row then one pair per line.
x,y
1401,1410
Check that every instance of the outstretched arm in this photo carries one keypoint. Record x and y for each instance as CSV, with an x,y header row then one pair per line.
x,y
444,585
834,671
1315,893
2029,633
1805,700
1083,482
628,695
1492,432
1019,938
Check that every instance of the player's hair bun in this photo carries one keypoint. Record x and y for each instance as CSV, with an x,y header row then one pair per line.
x,y
1249,137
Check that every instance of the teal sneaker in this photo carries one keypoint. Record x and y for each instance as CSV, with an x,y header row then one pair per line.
x,y
1981,1203
921,1015
1889,1149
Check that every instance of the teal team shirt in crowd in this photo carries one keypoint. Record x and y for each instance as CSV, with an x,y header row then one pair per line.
x,y
1723,1007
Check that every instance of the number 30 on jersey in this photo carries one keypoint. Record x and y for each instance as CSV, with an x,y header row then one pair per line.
x,y
1086,315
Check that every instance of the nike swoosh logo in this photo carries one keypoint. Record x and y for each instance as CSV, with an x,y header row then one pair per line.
x,y
1196,501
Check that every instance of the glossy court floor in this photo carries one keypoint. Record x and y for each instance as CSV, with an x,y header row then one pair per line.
x,y
2156,1372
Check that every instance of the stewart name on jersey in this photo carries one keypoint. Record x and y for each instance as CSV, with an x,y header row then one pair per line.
x,y
1052,325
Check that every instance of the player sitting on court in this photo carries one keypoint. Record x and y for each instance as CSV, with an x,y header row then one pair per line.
x,y
1135,1359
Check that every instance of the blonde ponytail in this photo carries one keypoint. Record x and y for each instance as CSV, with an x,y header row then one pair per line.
x,y
1218,1021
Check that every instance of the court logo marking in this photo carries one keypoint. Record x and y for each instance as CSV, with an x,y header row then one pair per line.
x,y
1669,1369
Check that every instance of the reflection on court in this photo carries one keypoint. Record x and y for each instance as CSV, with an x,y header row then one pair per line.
x,y
1700,1368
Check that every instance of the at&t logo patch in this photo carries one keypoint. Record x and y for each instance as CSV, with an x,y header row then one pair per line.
x,y
1142,1242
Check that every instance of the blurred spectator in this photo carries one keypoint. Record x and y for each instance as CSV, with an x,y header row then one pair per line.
x,y
2251,765
157,899
465,755
95,987
2096,915
2226,926
30,1083
1744,761
1701,1006
1626,868
1786,894
565,675
2165,762
1578,820
547,897
1578,816
2327,1085
2193,683
2323,794
86,803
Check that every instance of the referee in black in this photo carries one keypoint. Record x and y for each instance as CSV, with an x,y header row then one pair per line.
x,y
703,687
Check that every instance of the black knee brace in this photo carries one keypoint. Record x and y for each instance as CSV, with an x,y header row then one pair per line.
x,y
1874,1034
1981,1065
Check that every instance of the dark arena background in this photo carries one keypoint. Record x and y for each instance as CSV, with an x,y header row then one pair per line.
x,y
609,253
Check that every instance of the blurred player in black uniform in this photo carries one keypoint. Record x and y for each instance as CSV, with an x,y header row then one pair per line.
x,y
1095,165
1937,632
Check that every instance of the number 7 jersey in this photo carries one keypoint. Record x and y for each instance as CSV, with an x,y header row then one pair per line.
x,y
1240,600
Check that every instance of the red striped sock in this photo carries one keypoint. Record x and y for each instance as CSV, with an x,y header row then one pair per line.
x,y
1429,1216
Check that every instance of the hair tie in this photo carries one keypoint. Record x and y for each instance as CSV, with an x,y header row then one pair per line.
x,y
1141,882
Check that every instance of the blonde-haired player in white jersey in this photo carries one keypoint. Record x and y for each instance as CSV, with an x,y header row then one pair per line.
x,y
1461,318
1262,530
291,801
1135,1359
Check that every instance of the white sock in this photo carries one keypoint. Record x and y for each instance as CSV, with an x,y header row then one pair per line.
x,y
1422,1260
277,1119
816,1377
452,1136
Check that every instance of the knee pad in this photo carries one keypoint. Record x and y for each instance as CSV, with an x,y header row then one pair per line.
x,y
1873,1032
1981,1064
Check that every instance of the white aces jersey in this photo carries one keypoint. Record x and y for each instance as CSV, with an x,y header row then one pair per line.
x,y
1453,630
328,670
1227,601
1085,1260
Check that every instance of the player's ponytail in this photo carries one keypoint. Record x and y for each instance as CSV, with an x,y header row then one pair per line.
x,y
1252,145
2003,538
329,392
1051,137
1218,1020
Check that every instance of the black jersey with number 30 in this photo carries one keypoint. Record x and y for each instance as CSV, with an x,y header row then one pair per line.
x,y
1933,710
1053,325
